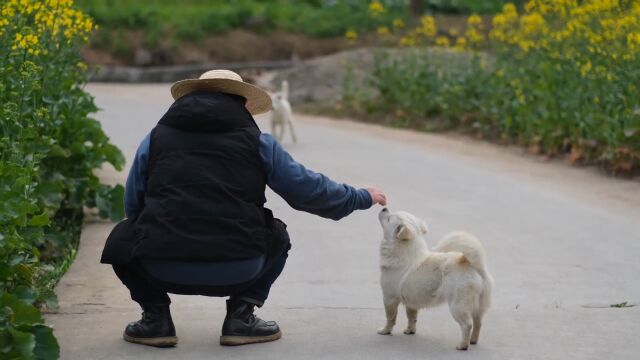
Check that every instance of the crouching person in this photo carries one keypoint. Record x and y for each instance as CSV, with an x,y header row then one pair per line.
x,y
196,222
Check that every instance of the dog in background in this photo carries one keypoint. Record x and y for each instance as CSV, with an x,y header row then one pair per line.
x,y
454,273
281,114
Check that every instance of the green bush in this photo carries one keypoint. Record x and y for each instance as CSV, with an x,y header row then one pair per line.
x,y
190,20
523,101
49,148
466,6
559,78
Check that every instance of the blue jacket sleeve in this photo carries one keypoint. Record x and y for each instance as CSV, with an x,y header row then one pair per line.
x,y
137,180
306,190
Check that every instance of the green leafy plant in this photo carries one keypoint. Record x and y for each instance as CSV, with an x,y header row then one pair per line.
x,y
49,147
190,20
465,6
559,78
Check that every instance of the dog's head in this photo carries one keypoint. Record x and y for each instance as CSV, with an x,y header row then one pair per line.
x,y
275,96
282,95
403,228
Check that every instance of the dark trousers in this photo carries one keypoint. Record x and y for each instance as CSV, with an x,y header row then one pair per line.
x,y
145,289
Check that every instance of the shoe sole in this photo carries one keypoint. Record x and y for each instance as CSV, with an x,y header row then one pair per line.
x,y
245,340
167,341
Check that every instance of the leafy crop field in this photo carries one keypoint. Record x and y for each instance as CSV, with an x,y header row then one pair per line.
x,y
559,77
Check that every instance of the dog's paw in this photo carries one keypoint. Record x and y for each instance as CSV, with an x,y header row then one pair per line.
x,y
463,348
409,331
384,331
474,342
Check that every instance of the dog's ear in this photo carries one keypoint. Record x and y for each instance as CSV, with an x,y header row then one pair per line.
x,y
403,233
424,229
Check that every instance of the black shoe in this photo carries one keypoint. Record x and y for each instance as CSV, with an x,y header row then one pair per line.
x,y
154,329
242,327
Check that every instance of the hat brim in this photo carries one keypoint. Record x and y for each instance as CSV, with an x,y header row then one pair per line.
x,y
258,100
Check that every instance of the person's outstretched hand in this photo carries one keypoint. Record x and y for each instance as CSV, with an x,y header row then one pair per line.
x,y
377,196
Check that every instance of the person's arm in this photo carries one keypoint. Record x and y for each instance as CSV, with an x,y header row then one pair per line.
x,y
137,180
309,191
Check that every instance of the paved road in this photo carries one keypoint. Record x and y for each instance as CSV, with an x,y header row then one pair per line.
x,y
562,243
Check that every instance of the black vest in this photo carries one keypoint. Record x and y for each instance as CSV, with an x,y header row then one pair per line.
x,y
206,182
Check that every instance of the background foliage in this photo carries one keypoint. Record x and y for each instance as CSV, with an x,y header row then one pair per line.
x,y
173,22
48,150
170,21
559,77
465,6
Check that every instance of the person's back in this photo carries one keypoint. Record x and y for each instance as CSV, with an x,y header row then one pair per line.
x,y
196,221
205,174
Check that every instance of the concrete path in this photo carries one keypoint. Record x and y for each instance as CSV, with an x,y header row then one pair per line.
x,y
563,244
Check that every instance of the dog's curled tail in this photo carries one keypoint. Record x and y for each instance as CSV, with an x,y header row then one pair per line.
x,y
469,246
473,251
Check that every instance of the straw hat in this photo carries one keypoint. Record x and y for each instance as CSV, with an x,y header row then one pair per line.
x,y
226,81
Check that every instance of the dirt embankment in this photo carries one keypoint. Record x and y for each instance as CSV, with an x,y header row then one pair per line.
x,y
234,46
134,47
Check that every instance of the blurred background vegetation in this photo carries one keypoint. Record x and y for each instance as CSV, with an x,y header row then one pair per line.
x,y
167,30
190,19
561,72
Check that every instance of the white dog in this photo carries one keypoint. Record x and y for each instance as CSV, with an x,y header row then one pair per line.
x,y
411,274
281,114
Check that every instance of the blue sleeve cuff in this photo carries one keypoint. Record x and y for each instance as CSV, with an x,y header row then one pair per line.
x,y
365,200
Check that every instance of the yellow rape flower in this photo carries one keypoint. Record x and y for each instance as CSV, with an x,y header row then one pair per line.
x,y
585,68
461,43
408,41
633,41
474,33
398,23
376,8
351,35
474,20
53,20
532,23
443,41
383,31
427,26
510,10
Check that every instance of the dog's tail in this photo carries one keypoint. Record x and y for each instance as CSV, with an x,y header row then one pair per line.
x,y
473,252
468,245
284,89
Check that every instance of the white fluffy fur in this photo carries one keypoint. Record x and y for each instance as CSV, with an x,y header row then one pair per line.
x,y
281,114
455,273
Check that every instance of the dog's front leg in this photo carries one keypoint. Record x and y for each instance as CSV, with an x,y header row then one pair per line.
x,y
281,129
391,309
412,319
274,127
293,132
